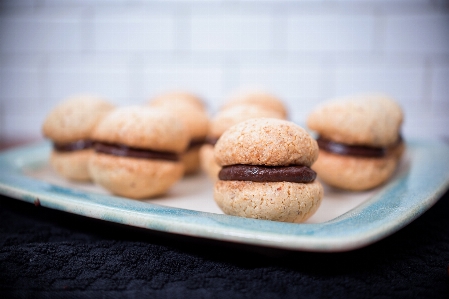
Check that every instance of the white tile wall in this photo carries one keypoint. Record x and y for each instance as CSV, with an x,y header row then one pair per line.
x,y
304,52
231,32
207,82
41,31
134,30
405,83
424,33
440,92
330,32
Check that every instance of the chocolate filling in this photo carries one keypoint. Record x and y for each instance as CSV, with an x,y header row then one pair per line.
x,y
126,151
211,140
196,142
351,150
256,173
73,146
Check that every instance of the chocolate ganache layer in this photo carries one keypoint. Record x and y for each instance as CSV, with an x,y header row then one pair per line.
x,y
196,143
211,140
73,146
351,150
256,173
126,151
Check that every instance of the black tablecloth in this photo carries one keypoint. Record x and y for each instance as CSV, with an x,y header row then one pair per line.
x,y
48,253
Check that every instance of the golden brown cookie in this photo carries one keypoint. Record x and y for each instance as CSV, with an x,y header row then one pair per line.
x,y
266,171
258,98
197,123
137,151
69,126
173,98
207,161
359,139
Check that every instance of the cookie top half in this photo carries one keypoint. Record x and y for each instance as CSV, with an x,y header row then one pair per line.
x,y
371,120
232,115
266,141
75,118
196,120
256,97
172,98
144,128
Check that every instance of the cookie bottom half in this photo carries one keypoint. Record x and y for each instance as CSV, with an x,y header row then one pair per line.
x,y
191,160
72,165
207,161
356,173
277,201
134,177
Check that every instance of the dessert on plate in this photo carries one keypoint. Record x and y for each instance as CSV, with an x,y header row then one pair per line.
x,y
69,126
359,139
266,171
137,151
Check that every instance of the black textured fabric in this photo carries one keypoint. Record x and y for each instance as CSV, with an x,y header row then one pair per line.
x,y
52,254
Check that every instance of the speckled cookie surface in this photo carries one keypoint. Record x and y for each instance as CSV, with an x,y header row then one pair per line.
x,y
132,177
356,173
277,201
75,118
259,98
232,115
195,120
71,165
372,120
143,127
266,141
170,99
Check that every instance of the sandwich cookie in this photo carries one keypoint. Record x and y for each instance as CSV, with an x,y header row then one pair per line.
x,y
258,98
69,126
266,171
359,139
225,119
137,151
196,122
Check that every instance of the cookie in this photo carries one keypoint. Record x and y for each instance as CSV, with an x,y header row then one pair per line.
x,y
266,171
207,161
137,151
359,139
225,119
69,126
259,98
171,99
196,122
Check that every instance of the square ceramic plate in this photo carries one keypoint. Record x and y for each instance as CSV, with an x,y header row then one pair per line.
x,y
344,221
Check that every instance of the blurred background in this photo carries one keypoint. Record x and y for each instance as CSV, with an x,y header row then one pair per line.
x,y
302,51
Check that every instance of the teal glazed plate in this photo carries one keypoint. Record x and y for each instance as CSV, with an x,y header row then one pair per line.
x,y
344,221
